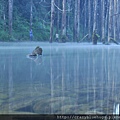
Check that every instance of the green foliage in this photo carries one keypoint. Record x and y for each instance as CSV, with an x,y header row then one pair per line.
x,y
69,34
21,29
98,35
4,36
41,32
21,21
64,38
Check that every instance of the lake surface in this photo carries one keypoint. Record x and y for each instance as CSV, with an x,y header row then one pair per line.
x,y
69,78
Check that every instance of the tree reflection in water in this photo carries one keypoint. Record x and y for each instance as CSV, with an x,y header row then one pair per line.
x,y
66,79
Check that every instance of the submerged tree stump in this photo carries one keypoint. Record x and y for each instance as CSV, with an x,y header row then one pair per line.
x,y
36,51
95,38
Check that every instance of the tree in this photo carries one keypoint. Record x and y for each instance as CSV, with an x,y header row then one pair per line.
x,y
89,19
58,17
76,30
95,15
69,6
64,21
75,22
85,17
103,20
3,16
31,13
52,20
66,17
106,18
10,16
115,18
78,20
110,21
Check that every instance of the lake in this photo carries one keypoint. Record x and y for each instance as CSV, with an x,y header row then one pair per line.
x,y
69,78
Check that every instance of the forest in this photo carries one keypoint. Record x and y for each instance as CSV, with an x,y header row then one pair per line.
x,y
72,20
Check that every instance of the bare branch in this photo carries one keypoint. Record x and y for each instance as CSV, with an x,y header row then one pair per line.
x,y
115,14
61,9
58,7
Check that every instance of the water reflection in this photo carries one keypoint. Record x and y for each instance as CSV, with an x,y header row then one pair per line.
x,y
77,79
36,59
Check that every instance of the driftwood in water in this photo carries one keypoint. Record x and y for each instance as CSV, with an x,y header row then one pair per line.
x,y
111,40
114,41
95,37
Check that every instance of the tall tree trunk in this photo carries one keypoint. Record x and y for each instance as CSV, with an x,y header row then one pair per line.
x,y
110,21
10,16
106,18
75,22
76,29
58,17
85,17
68,15
78,20
64,21
115,19
4,14
89,19
31,13
4,18
95,15
103,20
118,22
52,20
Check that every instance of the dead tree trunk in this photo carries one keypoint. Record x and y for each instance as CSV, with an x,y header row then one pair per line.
x,y
103,21
95,15
52,21
4,14
31,13
78,20
89,19
118,22
68,16
75,22
58,17
115,19
110,21
106,18
10,16
64,37
85,17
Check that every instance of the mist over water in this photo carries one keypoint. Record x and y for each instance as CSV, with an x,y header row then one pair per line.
x,y
68,78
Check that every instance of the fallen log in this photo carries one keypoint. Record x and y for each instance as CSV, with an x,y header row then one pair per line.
x,y
114,41
84,38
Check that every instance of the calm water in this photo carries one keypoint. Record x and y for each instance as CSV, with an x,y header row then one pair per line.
x,y
68,78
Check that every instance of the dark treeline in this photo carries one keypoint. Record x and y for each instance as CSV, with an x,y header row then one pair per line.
x,y
73,20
